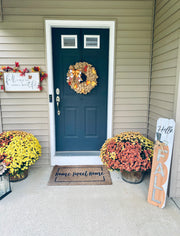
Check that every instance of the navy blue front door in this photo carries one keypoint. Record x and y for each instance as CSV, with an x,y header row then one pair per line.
x,y
82,123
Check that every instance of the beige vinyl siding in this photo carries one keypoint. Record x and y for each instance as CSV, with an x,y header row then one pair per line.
x,y
22,38
164,66
164,83
175,173
1,13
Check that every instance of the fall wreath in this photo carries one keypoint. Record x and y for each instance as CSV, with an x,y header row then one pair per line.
x,y
82,77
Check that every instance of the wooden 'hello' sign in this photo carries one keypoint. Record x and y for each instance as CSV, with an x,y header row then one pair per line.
x,y
161,162
16,82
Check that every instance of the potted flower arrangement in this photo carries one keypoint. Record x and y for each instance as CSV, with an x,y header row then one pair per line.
x,y
18,151
130,152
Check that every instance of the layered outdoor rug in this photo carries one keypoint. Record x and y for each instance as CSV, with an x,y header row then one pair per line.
x,y
80,175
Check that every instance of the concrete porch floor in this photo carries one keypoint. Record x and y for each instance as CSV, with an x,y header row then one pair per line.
x,y
33,208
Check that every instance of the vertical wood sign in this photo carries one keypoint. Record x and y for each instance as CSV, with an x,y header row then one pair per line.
x,y
161,162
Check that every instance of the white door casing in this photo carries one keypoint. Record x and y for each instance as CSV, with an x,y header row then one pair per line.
x,y
49,24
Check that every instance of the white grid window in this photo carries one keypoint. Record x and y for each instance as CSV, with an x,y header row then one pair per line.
x,y
68,41
92,41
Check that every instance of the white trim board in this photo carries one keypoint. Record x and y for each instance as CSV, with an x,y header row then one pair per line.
x,y
70,160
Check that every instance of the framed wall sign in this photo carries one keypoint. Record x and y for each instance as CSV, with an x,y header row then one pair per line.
x,y
16,82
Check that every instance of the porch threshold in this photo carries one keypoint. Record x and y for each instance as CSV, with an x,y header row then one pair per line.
x,y
78,153
77,158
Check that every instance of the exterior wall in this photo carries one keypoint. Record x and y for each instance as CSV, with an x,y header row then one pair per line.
x,y
22,39
165,77
0,10
164,65
175,170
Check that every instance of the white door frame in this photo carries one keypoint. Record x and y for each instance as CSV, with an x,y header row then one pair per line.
x,y
76,160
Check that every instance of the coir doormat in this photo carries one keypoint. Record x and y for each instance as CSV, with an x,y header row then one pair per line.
x,y
80,175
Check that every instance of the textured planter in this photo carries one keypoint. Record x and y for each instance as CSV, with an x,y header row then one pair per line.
x,y
16,178
132,177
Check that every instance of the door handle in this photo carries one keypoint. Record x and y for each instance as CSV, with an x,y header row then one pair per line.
x,y
58,102
57,91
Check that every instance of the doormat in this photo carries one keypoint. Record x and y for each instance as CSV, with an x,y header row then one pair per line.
x,y
80,175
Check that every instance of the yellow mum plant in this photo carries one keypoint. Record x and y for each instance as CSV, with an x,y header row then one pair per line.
x,y
18,151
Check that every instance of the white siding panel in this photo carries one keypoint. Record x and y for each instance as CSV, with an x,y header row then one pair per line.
x,y
22,39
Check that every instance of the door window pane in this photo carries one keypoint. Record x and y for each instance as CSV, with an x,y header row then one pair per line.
x,y
92,41
68,41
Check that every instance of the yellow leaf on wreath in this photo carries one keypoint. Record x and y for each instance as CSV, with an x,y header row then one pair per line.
x,y
93,83
88,82
75,86
93,71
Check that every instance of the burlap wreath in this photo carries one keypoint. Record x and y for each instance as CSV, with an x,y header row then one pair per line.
x,y
82,77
